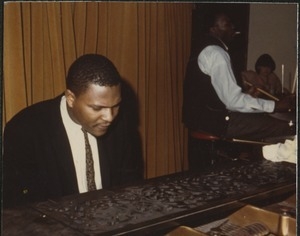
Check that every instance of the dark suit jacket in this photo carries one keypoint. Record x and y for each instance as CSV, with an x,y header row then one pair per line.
x,y
37,159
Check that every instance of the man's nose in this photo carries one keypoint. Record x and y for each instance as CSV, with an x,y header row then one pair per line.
x,y
108,115
233,27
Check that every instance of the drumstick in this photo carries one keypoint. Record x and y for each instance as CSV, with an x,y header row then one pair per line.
x,y
263,91
282,78
249,141
295,79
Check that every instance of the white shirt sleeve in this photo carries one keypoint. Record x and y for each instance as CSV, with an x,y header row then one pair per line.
x,y
215,62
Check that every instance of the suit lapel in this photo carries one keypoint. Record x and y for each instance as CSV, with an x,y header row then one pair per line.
x,y
63,150
104,164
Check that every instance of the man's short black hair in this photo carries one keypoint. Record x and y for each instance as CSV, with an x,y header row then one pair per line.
x,y
209,19
91,69
265,60
210,16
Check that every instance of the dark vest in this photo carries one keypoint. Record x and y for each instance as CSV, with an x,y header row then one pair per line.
x,y
202,108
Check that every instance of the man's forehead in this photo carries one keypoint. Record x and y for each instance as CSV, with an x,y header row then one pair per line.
x,y
222,17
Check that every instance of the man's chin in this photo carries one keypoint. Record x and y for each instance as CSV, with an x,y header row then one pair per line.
x,y
99,133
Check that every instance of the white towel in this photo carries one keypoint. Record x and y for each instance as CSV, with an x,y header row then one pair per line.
x,y
286,151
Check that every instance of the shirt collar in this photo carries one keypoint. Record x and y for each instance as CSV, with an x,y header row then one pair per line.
x,y
225,46
68,122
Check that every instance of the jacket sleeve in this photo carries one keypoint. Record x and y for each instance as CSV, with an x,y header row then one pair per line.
x,y
19,170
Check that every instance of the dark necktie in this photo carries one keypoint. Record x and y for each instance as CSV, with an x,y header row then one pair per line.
x,y
90,173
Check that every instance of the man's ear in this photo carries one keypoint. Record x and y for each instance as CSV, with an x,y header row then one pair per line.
x,y
70,97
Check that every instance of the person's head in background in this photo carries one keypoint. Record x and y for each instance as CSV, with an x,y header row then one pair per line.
x,y
265,65
218,24
93,93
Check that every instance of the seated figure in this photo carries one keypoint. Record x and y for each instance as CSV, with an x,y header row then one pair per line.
x,y
263,77
213,99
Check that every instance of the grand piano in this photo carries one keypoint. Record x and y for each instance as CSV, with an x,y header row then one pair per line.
x,y
159,205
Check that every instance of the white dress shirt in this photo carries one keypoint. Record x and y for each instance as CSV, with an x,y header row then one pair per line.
x,y
77,143
215,62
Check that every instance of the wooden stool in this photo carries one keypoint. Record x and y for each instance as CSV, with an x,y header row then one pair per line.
x,y
204,136
206,149
202,152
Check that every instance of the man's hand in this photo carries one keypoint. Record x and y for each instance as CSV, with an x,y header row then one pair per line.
x,y
286,104
253,92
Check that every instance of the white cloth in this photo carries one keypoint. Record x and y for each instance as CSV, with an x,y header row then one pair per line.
x,y
76,140
286,151
215,62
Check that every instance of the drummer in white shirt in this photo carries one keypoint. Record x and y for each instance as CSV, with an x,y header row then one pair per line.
x,y
213,99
